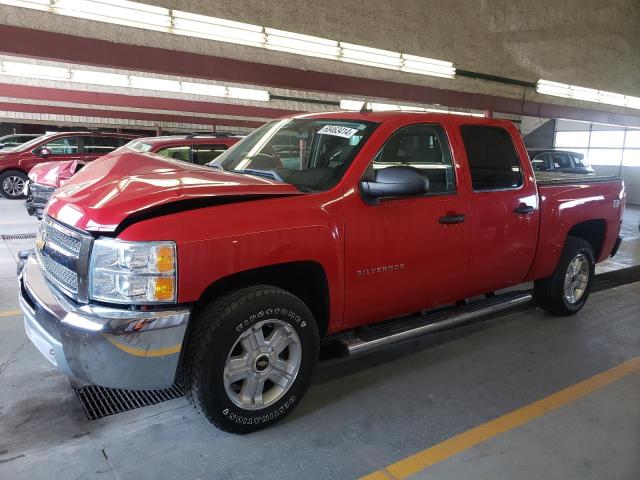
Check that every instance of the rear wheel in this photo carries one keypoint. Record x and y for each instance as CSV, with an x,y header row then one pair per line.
x,y
566,291
12,184
250,358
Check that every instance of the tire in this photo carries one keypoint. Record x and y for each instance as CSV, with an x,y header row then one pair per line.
x,y
12,184
550,293
223,365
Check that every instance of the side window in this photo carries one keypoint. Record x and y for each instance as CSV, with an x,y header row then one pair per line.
x,y
493,160
561,160
541,162
100,145
62,146
181,152
578,161
425,148
203,154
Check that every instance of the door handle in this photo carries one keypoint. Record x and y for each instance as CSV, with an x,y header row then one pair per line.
x,y
523,209
451,219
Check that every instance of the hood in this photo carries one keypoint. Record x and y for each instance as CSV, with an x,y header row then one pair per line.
x,y
109,190
53,174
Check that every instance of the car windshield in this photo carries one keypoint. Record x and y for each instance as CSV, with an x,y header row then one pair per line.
x,y
310,153
30,144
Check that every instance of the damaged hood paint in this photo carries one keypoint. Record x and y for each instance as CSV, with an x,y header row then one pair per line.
x,y
54,174
107,191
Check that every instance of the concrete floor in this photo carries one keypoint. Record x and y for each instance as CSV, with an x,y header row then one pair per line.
x,y
360,414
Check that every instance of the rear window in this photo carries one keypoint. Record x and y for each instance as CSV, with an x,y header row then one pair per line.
x,y
493,160
181,152
203,154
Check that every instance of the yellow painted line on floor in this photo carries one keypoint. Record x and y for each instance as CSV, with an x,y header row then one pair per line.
x,y
10,313
455,445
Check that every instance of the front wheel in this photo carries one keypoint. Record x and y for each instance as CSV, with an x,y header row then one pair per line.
x,y
566,291
12,184
250,358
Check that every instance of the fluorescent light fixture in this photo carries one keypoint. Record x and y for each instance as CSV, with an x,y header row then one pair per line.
x,y
112,79
34,70
99,78
248,94
151,17
33,4
204,89
370,56
356,105
150,83
213,28
351,105
301,44
427,66
120,12
557,89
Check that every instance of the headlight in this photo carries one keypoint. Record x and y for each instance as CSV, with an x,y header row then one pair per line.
x,y
133,272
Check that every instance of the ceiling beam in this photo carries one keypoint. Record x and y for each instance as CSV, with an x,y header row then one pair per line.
x,y
88,51
157,117
131,101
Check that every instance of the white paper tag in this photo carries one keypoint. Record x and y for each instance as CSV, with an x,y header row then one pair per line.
x,y
338,131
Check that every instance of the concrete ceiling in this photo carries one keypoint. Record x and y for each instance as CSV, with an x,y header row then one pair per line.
x,y
300,83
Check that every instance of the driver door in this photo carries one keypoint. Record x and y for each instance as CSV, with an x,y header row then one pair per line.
x,y
401,255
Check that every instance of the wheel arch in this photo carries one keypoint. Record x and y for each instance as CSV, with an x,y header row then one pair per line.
x,y
13,169
306,280
593,232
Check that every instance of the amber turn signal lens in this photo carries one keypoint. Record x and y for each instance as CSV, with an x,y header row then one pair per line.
x,y
164,289
164,259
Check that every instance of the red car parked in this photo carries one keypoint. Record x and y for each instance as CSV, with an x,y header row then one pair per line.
x,y
16,163
194,148
348,226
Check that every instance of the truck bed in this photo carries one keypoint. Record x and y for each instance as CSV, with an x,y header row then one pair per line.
x,y
557,178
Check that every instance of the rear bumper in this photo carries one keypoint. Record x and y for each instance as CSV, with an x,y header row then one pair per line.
x,y
616,246
103,346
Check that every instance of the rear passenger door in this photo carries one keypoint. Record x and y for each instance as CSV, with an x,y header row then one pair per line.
x,y
503,209
407,253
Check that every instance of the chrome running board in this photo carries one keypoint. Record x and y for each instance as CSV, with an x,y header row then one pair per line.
x,y
368,338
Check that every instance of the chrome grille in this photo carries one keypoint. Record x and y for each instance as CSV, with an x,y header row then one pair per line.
x,y
63,253
67,278
56,237
40,192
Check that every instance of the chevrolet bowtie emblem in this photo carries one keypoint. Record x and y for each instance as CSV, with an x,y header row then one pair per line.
x,y
40,242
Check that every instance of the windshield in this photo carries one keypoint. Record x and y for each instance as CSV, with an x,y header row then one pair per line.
x,y
311,154
28,145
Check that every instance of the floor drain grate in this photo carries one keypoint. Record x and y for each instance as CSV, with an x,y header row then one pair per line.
x,y
18,236
99,402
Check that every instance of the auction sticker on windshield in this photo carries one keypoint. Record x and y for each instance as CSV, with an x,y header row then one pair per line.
x,y
338,131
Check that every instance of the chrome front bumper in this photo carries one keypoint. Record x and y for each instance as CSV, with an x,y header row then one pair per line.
x,y
110,347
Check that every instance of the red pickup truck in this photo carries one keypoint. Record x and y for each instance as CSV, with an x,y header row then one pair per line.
x,y
351,227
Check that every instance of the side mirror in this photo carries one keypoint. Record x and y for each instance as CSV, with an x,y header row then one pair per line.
x,y
395,182
44,152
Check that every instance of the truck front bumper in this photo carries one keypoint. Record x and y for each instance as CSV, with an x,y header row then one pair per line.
x,y
111,347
